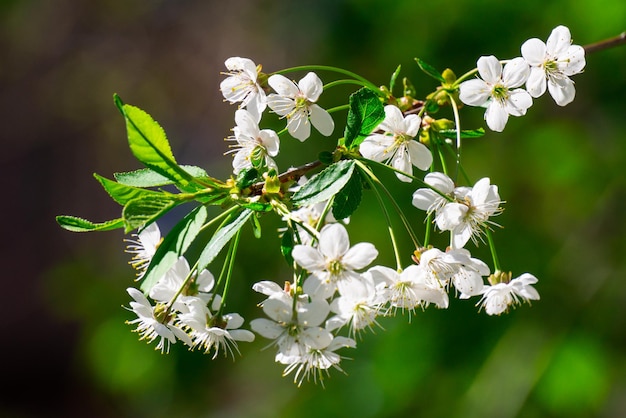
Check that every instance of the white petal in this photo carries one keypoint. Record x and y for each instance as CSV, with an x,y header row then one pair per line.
x,y
233,320
534,51
205,281
562,93
339,342
496,116
421,156
489,68
450,216
474,92
266,328
440,181
241,335
375,147
308,258
311,87
460,235
283,86
536,83
321,120
299,126
257,102
316,338
402,162
317,287
282,106
360,256
242,64
314,313
412,124
559,41
246,123
277,309
424,198
334,241
515,72
394,120
519,101
270,141
267,287
575,60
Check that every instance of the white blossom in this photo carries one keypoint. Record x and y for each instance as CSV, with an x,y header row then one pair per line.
x,y
242,85
144,247
297,103
498,297
396,146
155,322
333,263
552,63
498,90
254,146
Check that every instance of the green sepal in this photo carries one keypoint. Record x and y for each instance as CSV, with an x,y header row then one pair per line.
x,y
144,210
122,194
76,224
174,245
146,177
286,245
469,133
430,70
394,77
324,184
149,144
221,237
349,198
409,88
365,114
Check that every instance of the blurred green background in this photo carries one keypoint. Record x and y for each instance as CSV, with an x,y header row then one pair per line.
x,y
65,348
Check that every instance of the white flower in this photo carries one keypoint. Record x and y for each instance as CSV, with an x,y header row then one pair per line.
x,y
170,284
293,334
468,212
297,104
358,306
154,322
241,86
333,262
317,360
254,146
396,146
498,90
411,288
551,64
429,200
214,332
143,247
497,298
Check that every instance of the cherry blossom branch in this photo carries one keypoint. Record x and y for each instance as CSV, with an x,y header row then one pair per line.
x,y
606,44
291,174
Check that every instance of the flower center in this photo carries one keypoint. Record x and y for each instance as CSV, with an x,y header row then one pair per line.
x,y
500,93
335,267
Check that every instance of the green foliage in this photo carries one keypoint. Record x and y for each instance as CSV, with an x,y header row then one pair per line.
x,y
430,70
349,198
394,77
365,114
123,194
324,184
75,224
145,209
146,177
286,245
222,236
175,243
465,133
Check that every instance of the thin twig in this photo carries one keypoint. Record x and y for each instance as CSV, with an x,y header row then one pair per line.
x,y
606,44
289,175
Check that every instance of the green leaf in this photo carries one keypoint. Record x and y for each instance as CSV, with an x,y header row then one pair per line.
x,y
175,243
257,206
146,177
247,177
75,224
409,88
470,133
394,77
256,226
122,194
365,114
149,144
349,198
286,245
221,237
143,210
430,70
324,184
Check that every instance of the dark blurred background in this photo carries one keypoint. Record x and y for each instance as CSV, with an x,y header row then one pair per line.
x,y
65,348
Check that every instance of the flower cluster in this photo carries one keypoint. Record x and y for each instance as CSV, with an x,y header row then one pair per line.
x,y
337,292
542,64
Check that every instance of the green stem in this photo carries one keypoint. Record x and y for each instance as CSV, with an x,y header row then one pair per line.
x,y
365,81
182,287
338,108
457,123
392,234
395,205
232,251
492,248
342,82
